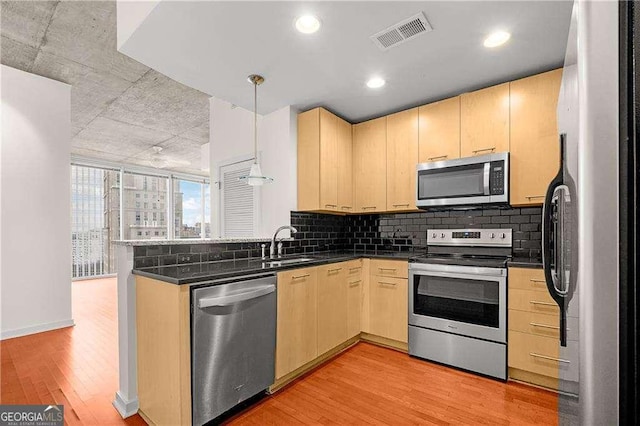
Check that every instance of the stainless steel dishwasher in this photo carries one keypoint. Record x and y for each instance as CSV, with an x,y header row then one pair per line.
x,y
233,341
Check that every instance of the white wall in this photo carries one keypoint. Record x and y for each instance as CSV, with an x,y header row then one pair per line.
x,y
231,139
35,226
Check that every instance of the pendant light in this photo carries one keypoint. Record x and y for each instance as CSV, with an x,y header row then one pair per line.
x,y
255,177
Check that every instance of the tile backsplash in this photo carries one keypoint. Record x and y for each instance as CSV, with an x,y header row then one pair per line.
x,y
382,232
408,231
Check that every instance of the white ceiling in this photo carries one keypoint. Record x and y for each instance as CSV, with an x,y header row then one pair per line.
x,y
213,45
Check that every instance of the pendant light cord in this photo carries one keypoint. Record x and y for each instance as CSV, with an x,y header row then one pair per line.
x,y
255,123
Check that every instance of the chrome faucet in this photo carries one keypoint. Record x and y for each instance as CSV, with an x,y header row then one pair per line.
x,y
272,249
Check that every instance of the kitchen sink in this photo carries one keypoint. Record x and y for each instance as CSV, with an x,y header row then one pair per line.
x,y
281,262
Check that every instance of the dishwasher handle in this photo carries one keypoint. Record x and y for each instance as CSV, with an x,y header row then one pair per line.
x,y
236,298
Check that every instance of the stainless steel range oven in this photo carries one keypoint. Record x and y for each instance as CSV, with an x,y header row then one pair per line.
x,y
458,300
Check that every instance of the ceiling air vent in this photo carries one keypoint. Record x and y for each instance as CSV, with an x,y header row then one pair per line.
x,y
402,31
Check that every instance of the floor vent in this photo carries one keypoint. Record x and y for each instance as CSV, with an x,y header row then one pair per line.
x,y
402,31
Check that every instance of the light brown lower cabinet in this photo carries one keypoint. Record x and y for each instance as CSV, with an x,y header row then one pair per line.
x,y
534,348
297,324
332,306
163,339
388,308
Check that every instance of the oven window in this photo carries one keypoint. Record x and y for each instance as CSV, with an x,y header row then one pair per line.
x,y
469,301
461,181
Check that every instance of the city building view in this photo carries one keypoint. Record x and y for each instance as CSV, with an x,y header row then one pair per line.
x,y
95,202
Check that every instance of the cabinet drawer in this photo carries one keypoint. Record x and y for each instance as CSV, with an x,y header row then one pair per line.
x,y
532,301
542,355
390,268
527,279
534,323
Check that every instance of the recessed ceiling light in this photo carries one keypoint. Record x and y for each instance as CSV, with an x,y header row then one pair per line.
x,y
496,39
375,83
307,24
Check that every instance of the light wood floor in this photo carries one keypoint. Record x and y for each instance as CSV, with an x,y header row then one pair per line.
x,y
77,367
373,385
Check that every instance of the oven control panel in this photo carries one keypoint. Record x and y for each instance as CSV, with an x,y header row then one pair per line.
x,y
470,237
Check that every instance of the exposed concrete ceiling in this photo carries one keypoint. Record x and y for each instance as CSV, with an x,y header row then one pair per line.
x,y
119,107
214,45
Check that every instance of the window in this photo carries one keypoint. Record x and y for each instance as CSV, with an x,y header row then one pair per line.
x,y
94,192
238,213
188,208
137,218
155,216
155,206
137,204
139,233
137,195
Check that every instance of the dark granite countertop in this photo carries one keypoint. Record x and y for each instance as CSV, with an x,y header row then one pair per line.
x,y
525,262
202,272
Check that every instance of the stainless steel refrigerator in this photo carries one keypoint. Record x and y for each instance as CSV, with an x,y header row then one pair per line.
x,y
580,219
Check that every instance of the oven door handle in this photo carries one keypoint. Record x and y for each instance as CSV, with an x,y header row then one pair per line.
x,y
469,272
466,276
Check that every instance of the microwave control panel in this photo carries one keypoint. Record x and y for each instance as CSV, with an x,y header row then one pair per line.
x,y
496,178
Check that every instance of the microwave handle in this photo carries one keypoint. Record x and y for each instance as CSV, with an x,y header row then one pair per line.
x,y
487,174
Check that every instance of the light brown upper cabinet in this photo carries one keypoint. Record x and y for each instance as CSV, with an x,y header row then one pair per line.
x,y
484,121
345,167
370,165
439,125
402,158
324,162
535,150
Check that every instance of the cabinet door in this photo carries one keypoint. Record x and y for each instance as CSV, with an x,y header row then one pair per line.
x,y
297,325
328,161
345,167
402,158
354,285
484,121
309,160
370,165
439,126
388,308
535,150
332,306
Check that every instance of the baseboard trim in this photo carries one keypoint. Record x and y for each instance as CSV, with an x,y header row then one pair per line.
x,y
124,407
40,328
385,342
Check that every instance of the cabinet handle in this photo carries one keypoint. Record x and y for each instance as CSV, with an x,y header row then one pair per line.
x,y
533,196
493,148
354,283
533,302
334,270
437,158
346,208
356,268
385,282
533,280
369,208
401,205
553,327
295,277
388,269
331,205
550,358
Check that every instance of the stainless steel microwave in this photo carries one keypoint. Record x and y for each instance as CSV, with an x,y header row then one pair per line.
x,y
483,179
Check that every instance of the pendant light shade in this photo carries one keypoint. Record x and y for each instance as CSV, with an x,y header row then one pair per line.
x,y
255,177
